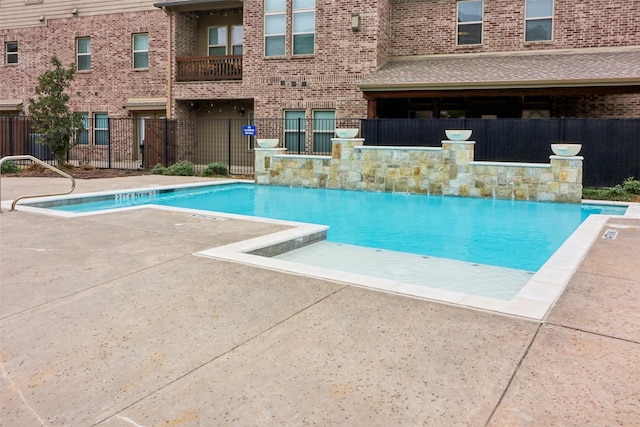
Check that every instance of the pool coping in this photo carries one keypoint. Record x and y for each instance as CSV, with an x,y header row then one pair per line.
x,y
533,301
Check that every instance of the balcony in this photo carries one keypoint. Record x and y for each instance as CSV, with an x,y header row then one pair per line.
x,y
209,68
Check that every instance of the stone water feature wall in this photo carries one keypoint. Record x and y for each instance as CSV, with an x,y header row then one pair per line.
x,y
448,170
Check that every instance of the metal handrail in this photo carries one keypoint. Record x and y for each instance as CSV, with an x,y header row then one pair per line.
x,y
35,159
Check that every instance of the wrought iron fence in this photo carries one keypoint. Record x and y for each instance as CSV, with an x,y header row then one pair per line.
x,y
14,135
135,143
611,147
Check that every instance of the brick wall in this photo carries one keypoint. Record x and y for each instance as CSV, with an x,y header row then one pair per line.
x,y
429,27
111,80
600,106
342,58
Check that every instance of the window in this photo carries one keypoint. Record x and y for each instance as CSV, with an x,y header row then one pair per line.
x,y
217,41
294,131
538,20
140,45
302,31
218,44
83,53
304,26
101,129
324,125
275,27
83,137
236,39
469,22
11,49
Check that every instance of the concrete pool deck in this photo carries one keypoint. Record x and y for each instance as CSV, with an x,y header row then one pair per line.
x,y
111,320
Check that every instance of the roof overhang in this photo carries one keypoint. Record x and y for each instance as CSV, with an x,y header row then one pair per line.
x,y
575,70
10,105
145,104
195,4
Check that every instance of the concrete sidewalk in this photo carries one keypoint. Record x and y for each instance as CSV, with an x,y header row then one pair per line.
x,y
110,320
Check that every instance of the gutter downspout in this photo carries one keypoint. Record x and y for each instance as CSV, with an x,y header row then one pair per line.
x,y
170,55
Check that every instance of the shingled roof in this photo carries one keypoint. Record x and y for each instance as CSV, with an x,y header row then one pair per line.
x,y
539,69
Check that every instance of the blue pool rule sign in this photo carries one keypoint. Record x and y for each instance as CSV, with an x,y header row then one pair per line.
x,y
249,130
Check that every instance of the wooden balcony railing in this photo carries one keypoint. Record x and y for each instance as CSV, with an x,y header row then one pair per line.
x,y
209,68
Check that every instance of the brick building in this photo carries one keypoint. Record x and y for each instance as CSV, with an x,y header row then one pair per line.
x,y
322,60
501,58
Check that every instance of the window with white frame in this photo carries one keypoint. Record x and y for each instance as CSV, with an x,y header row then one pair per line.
x,y
295,131
237,34
275,27
304,27
217,41
538,20
11,52
324,125
140,44
101,129
469,25
83,53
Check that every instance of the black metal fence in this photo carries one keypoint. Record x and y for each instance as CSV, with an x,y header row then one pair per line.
x,y
611,147
138,143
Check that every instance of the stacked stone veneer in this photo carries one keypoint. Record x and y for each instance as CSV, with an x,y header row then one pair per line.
x,y
447,170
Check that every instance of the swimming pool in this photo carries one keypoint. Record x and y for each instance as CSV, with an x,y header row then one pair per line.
x,y
512,234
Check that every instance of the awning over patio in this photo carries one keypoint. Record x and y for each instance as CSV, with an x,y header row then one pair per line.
x,y
610,70
10,104
194,4
145,104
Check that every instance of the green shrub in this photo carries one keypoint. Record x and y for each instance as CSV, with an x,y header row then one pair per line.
x,y
158,169
631,185
628,191
215,169
183,168
9,167
617,191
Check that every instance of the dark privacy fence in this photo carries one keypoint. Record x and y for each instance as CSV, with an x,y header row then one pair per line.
x,y
611,147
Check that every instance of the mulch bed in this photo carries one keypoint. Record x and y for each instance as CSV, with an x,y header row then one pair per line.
x,y
76,172
88,173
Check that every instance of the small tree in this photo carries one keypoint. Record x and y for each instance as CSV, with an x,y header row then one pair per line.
x,y
50,116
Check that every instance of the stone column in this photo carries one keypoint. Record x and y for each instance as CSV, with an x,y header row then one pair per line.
x,y
264,162
345,170
567,178
458,155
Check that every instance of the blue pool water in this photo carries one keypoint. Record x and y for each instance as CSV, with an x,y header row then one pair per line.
x,y
505,233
